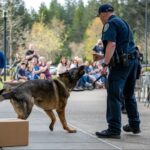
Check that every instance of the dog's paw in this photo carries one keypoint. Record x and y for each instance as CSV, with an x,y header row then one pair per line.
x,y
51,128
72,131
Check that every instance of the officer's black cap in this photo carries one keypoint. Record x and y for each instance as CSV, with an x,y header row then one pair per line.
x,y
105,8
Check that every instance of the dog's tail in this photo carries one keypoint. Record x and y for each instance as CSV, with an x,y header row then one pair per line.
x,y
5,96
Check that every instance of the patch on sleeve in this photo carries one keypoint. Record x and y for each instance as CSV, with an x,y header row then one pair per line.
x,y
106,27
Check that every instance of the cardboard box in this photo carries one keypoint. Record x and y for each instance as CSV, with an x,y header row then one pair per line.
x,y
14,132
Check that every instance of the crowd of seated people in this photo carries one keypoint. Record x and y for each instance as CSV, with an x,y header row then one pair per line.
x,y
92,73
32,67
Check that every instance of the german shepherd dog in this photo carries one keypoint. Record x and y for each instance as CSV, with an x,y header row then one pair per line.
x,y
46,94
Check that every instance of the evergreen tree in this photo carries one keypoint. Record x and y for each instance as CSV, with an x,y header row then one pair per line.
x,y
43,14
70,7
78,25
56,10
91,11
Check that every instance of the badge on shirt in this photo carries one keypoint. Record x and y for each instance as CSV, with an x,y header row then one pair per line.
x,y
106,27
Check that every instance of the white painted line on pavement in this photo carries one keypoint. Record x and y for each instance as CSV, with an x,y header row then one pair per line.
x,y
85,132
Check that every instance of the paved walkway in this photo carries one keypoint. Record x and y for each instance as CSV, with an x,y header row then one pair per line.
x,y
85,112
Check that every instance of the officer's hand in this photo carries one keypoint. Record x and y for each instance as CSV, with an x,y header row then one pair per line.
x,y
104,71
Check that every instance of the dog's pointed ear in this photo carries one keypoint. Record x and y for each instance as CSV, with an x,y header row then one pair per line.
x,y
82,67
81,70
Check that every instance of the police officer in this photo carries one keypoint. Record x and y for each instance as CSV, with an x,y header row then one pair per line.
x,y
120,57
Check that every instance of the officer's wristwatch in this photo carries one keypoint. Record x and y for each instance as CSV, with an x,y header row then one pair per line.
x,y
104,65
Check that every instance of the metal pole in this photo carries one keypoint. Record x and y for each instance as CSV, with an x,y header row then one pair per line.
x,y
146,22
5,40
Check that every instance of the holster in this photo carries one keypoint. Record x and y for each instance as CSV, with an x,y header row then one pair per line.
x,y
121,60
114,60
124,60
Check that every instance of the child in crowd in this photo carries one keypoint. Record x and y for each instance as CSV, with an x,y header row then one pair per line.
x,y
42,76
22,72
36,68
29,73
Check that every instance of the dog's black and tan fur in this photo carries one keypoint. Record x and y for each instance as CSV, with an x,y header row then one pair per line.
x,y
46,94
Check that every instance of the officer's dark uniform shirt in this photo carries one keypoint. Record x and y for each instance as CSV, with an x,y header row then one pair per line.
x,y
118,31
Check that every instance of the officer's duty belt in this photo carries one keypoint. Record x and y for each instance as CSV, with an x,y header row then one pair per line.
x,y
132,55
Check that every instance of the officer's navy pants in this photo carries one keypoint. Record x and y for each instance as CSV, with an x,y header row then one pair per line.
x,y
121,81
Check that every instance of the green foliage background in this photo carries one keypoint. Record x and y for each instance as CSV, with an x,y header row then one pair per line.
x,y
76,33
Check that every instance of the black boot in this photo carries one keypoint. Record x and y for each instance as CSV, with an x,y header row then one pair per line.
x,y
107,134
128,128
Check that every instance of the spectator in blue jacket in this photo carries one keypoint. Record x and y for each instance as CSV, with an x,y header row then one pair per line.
x,y
2,61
